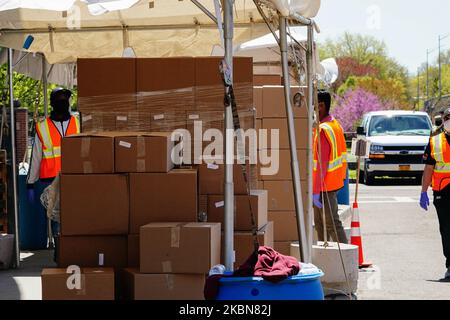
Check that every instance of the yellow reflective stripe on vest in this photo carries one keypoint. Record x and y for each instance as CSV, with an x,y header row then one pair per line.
x,y
437,145
44,131
442,167
330,133
336,164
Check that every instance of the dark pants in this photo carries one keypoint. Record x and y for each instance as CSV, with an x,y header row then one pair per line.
x,y
330,204
442,204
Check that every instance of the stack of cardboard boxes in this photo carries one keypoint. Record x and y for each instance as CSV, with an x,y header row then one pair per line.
x,y
270,113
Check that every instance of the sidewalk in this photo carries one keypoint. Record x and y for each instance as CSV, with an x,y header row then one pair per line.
x,y
25,283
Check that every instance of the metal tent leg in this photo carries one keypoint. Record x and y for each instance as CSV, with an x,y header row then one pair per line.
x,y
229,150
303,246
13,152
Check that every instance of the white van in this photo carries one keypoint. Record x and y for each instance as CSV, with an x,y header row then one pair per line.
x,y
398,141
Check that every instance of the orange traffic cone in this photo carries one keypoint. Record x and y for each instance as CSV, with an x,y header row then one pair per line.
x,y
355,236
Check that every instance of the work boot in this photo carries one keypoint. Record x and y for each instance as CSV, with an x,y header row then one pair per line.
x,y
447,274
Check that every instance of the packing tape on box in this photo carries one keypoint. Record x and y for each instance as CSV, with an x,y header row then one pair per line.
x,y
86,118
170,281
140,165
101,259
175,237
141,147
166,266
85,147
87,167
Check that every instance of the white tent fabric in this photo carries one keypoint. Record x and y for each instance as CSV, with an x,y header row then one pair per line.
x,y
31,65
306,8
159,28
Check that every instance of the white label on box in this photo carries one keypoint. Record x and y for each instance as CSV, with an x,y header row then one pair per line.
x,y
87,118
125,144
220,204
101,259
158,117
122,118
212,166
193,116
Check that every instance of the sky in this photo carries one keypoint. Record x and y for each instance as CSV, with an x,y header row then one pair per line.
x,y
408,27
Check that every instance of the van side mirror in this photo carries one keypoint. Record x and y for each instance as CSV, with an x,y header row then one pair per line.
x,y
360,131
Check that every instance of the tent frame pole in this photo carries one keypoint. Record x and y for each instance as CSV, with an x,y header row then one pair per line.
x,y
229,139
310,83
13,156
205,10
303,245
45,84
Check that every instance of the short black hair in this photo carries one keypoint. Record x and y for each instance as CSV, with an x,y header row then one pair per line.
x,y
325,97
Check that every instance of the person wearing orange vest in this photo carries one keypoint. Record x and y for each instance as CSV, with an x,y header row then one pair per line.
x,y
46,155
329,172
437,174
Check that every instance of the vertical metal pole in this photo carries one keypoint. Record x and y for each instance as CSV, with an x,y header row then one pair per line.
x,y
45,85
229,150
310,106
428,76
293,143
13,160
418,89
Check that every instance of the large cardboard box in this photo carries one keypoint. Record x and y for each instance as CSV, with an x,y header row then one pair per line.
x,y
133,250
274,102
192,248
267,79
94,204
257,201
87,153
93,251
285,225
283,247
143,152
258,101
144,286
284,165
281,195
163,197
89,284
301,132
107,84
211,179
243,242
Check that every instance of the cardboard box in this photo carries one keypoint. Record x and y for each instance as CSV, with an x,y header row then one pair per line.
x,y
163,197
242,220
192,248
94,204
167,121
283,247
281,195
284,164
258,101
243,242
172,73
133,250
285,225
301,132
211,179
267,79
106,76
144,286
87,153
91,284
274,102
143,152
94,122
93,251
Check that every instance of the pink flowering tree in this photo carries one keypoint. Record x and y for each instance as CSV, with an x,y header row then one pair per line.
x,y
351,107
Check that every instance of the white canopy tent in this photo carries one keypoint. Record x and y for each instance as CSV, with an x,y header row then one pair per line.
x,y
66,30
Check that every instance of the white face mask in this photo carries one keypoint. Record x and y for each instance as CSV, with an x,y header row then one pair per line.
x,y
447,126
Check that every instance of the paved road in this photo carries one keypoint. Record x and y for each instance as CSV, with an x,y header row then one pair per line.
x,y
404,243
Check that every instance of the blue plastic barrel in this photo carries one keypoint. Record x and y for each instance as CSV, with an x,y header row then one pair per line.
x,y
344,194
300,287
32,218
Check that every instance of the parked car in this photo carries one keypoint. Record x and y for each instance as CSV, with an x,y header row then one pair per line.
x,y
398,141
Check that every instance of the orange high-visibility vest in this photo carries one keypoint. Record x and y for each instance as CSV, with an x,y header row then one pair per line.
x,y
50,138
440,151
337,163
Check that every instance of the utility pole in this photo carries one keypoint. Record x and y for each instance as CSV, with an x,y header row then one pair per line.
x,y
418,89
428,75
440,68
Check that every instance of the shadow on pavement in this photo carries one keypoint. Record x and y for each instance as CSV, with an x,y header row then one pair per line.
x,y
444,280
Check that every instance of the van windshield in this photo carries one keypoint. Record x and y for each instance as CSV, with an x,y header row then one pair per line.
x,y
400,125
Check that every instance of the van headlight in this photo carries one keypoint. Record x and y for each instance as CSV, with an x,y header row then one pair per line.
x,y
376,149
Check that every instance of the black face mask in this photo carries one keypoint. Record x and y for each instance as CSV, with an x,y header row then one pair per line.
x,y
61,106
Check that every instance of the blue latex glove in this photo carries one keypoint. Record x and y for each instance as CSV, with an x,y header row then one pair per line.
x,y
316,201
424,201
30,194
